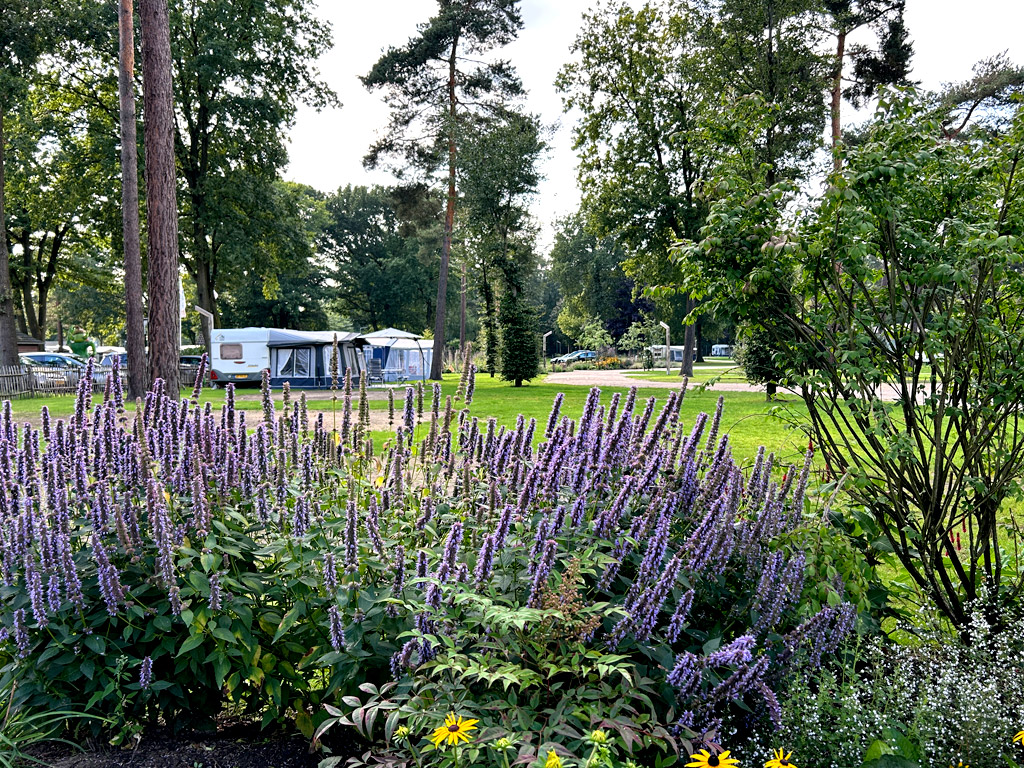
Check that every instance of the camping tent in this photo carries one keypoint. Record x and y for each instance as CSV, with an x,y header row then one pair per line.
x,y
303,358
402,355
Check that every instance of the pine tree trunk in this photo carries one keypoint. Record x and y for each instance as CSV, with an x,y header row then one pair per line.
x,y
161,197
837,96
8,329
449,223
135,333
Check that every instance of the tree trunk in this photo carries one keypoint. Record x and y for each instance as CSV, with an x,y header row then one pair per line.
x,y
462,314
689,338
689,342
135,332
8,330
161,196
205,296
449,223
770,389
837,99
700,341
29,307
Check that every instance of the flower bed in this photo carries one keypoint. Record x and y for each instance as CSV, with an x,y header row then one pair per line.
x,y
619,572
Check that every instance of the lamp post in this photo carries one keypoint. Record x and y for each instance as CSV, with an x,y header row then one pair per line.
x,y
544,348
668,348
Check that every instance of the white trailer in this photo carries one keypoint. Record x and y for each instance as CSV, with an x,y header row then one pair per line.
x,y
301,358
239,354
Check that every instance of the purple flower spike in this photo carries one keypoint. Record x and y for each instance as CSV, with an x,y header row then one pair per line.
x,y
337,631
146,672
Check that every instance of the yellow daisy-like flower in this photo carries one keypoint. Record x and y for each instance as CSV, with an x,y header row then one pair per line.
x,y
705,759
1019,737
553,761
780,760
453,730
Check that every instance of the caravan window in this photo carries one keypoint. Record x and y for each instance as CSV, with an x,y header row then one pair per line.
x,y
230,351
293,362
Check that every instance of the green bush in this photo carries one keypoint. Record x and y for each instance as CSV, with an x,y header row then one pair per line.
x,y
930,699
622,575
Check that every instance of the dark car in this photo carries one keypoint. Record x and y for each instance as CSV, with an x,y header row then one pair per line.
x,y
575,357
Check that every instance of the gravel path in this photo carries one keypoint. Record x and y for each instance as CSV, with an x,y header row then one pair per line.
x,y
620,379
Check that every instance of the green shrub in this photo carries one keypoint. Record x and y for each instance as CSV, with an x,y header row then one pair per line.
x,y
623,575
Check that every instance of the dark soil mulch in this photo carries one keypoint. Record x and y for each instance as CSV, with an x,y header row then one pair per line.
x,y
238,746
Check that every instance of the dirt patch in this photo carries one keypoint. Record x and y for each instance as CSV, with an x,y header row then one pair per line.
x,y
241,746
621,379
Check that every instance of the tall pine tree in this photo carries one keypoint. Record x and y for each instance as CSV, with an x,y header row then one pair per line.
x,y
432,84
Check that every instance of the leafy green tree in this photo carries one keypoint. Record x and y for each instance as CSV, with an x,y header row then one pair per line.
x,y
641,140
498,167
519,360
241,69
773,48
903,297
757,353
592,335
433,84
61,159
28,31
886,64
85,295
374,241
639,336
297,297
589,271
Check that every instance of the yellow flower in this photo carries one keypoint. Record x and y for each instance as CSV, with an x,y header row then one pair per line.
x,y
705,759
1019,737
599,737
453,730
780,760
553,761
959,765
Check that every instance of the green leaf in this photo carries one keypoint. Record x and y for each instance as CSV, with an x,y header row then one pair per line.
x,y
192,643
224,634
892,761
221,665
288,621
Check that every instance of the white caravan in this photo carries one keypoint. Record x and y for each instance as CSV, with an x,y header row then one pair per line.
x,y
239,354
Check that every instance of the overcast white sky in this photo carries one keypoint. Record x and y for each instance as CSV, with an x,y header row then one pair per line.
x,y
327,147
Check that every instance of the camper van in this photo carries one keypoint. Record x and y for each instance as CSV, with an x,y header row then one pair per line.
x,y
301,358
721,350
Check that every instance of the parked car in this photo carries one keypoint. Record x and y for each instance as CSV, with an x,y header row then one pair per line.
x,y
71,363
575,357
122,360
51,378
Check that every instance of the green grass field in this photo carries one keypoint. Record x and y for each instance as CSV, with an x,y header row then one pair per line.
x,y
748,419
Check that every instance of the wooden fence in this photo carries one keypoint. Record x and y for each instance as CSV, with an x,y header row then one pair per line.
x,y
20,381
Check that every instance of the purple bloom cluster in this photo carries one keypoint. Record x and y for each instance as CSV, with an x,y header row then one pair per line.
x,y
146,672
657,506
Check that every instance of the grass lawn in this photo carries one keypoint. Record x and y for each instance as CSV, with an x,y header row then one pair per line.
x,y
750,420
722,369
